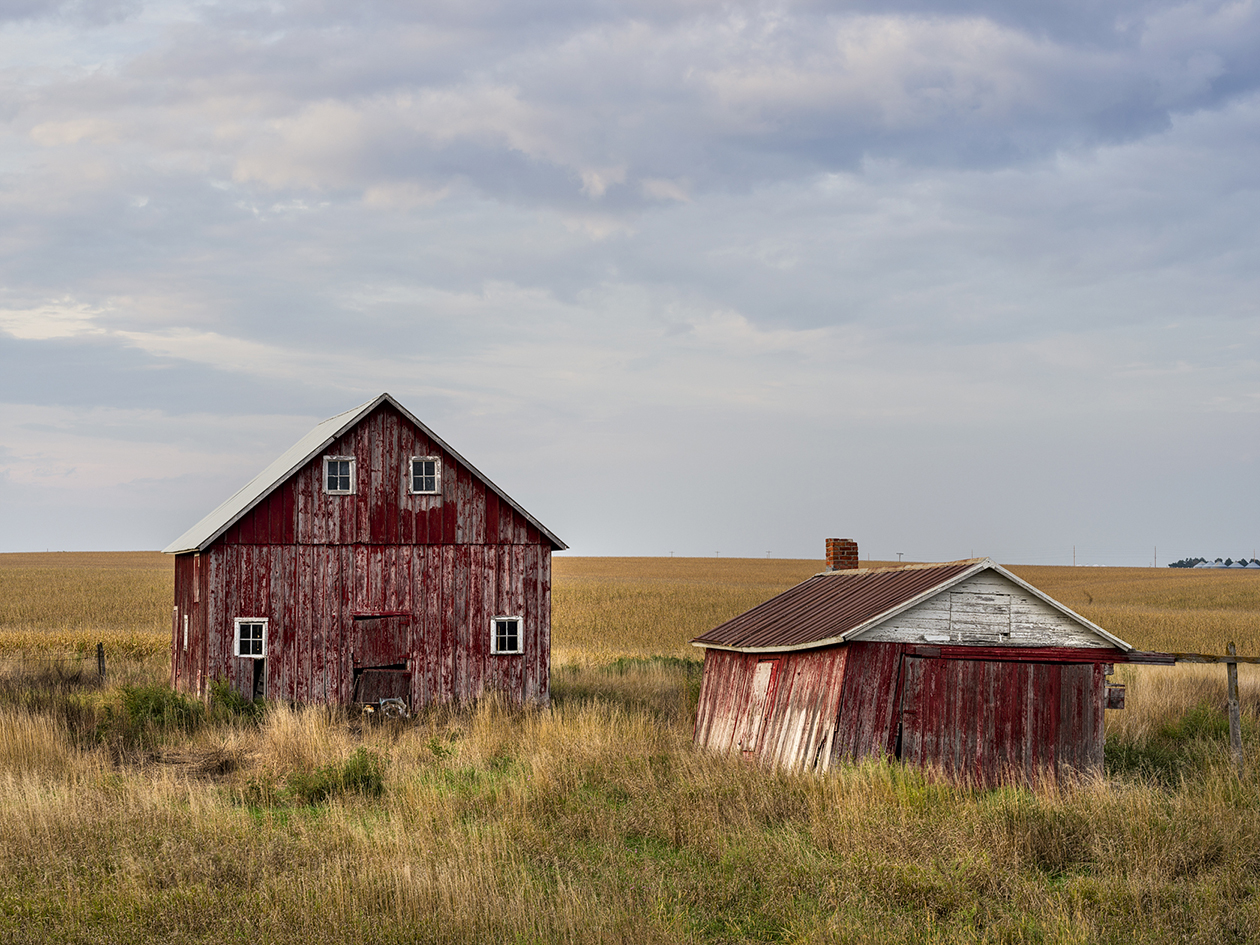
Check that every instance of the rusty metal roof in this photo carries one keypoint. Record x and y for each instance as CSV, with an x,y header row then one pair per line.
x,y
825,607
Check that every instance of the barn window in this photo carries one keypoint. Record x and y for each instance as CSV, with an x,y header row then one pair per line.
x,y
505,635
339,475
425,475
251,637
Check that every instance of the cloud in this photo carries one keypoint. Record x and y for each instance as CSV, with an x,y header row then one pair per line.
x,y
926,234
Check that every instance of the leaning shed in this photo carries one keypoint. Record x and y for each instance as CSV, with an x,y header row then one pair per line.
x,y
370,561
961,666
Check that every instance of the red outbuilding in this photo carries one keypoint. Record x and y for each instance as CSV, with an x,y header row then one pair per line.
x,y
960,666
369,561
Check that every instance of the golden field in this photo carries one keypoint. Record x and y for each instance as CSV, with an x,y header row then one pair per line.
x,y
128,814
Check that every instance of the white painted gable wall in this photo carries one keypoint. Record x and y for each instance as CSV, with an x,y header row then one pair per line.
x,y
985,610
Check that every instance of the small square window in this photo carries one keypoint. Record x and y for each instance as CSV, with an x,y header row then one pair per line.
x,y
505,635
425,475
251,637
339,475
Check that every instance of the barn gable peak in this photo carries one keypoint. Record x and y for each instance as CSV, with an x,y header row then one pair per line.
x,y
240,503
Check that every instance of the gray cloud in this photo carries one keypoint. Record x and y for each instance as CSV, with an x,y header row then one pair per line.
x,y
927,248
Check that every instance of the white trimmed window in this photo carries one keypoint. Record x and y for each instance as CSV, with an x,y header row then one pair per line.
x,y
505,635
339,475
251,637
424,475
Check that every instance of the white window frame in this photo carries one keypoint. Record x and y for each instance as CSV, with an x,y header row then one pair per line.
x,y
236,638
520,634
185,633
354,477
437,475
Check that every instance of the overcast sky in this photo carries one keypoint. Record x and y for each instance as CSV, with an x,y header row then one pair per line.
x,y
949,278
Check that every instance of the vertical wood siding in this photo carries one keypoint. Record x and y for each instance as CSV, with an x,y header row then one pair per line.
x,y
434,570
795,723
990,721
977,719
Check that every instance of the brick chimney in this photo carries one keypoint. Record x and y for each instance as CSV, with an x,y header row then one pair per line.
x,y
842,554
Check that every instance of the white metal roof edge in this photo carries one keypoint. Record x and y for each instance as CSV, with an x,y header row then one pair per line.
x,y
232,509
917,599
988,564
229,512
985,564
860,628
560,545
1063,608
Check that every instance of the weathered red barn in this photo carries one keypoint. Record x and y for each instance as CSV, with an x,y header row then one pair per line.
x,y
961,666
369,561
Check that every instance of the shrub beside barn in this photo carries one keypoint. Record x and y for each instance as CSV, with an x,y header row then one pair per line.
x,y
369,561
961,666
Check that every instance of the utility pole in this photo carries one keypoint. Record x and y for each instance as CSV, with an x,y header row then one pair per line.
x,y
1074,556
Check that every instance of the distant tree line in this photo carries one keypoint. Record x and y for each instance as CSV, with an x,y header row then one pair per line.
x,y
1226,563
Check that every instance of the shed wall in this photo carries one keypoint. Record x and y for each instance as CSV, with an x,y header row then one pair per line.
x,y
980,714
795,724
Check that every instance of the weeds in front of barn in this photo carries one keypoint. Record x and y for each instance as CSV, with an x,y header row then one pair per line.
x,y
128,813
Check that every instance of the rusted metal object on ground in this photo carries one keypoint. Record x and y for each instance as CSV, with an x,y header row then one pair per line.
x,y
370,556
960,666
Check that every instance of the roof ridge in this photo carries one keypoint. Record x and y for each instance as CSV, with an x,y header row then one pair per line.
x,y
921,566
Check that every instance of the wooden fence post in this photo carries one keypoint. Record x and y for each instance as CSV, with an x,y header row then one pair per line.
x,y
100,660
1235,714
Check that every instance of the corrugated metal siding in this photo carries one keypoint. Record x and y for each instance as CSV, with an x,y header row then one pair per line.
x,y
867,720
983,720
797,722
826,606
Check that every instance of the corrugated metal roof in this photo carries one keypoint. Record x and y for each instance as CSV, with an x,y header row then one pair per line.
x,y
298,455
836,605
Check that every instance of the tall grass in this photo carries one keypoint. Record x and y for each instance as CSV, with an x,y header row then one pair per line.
x,y
128,817
593,822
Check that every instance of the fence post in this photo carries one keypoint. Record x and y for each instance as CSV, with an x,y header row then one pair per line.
x,y
100,660
1235,714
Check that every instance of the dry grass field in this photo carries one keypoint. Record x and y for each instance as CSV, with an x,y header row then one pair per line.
x,y
128,814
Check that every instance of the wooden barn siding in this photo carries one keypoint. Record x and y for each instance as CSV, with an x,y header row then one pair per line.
x,y
310,594
382,511
724,689
798,717
978,611
866,725
989,722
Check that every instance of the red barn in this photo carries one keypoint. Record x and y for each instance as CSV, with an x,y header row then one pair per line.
x,y
371,560
961,666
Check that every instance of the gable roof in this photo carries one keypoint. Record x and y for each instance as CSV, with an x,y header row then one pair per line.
x,y
837,606
235,507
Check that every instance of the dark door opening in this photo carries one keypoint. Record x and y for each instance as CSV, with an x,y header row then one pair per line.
x,y
259,689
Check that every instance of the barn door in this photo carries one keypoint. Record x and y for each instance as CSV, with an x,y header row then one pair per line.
x,y
760,702
991,720
380,640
